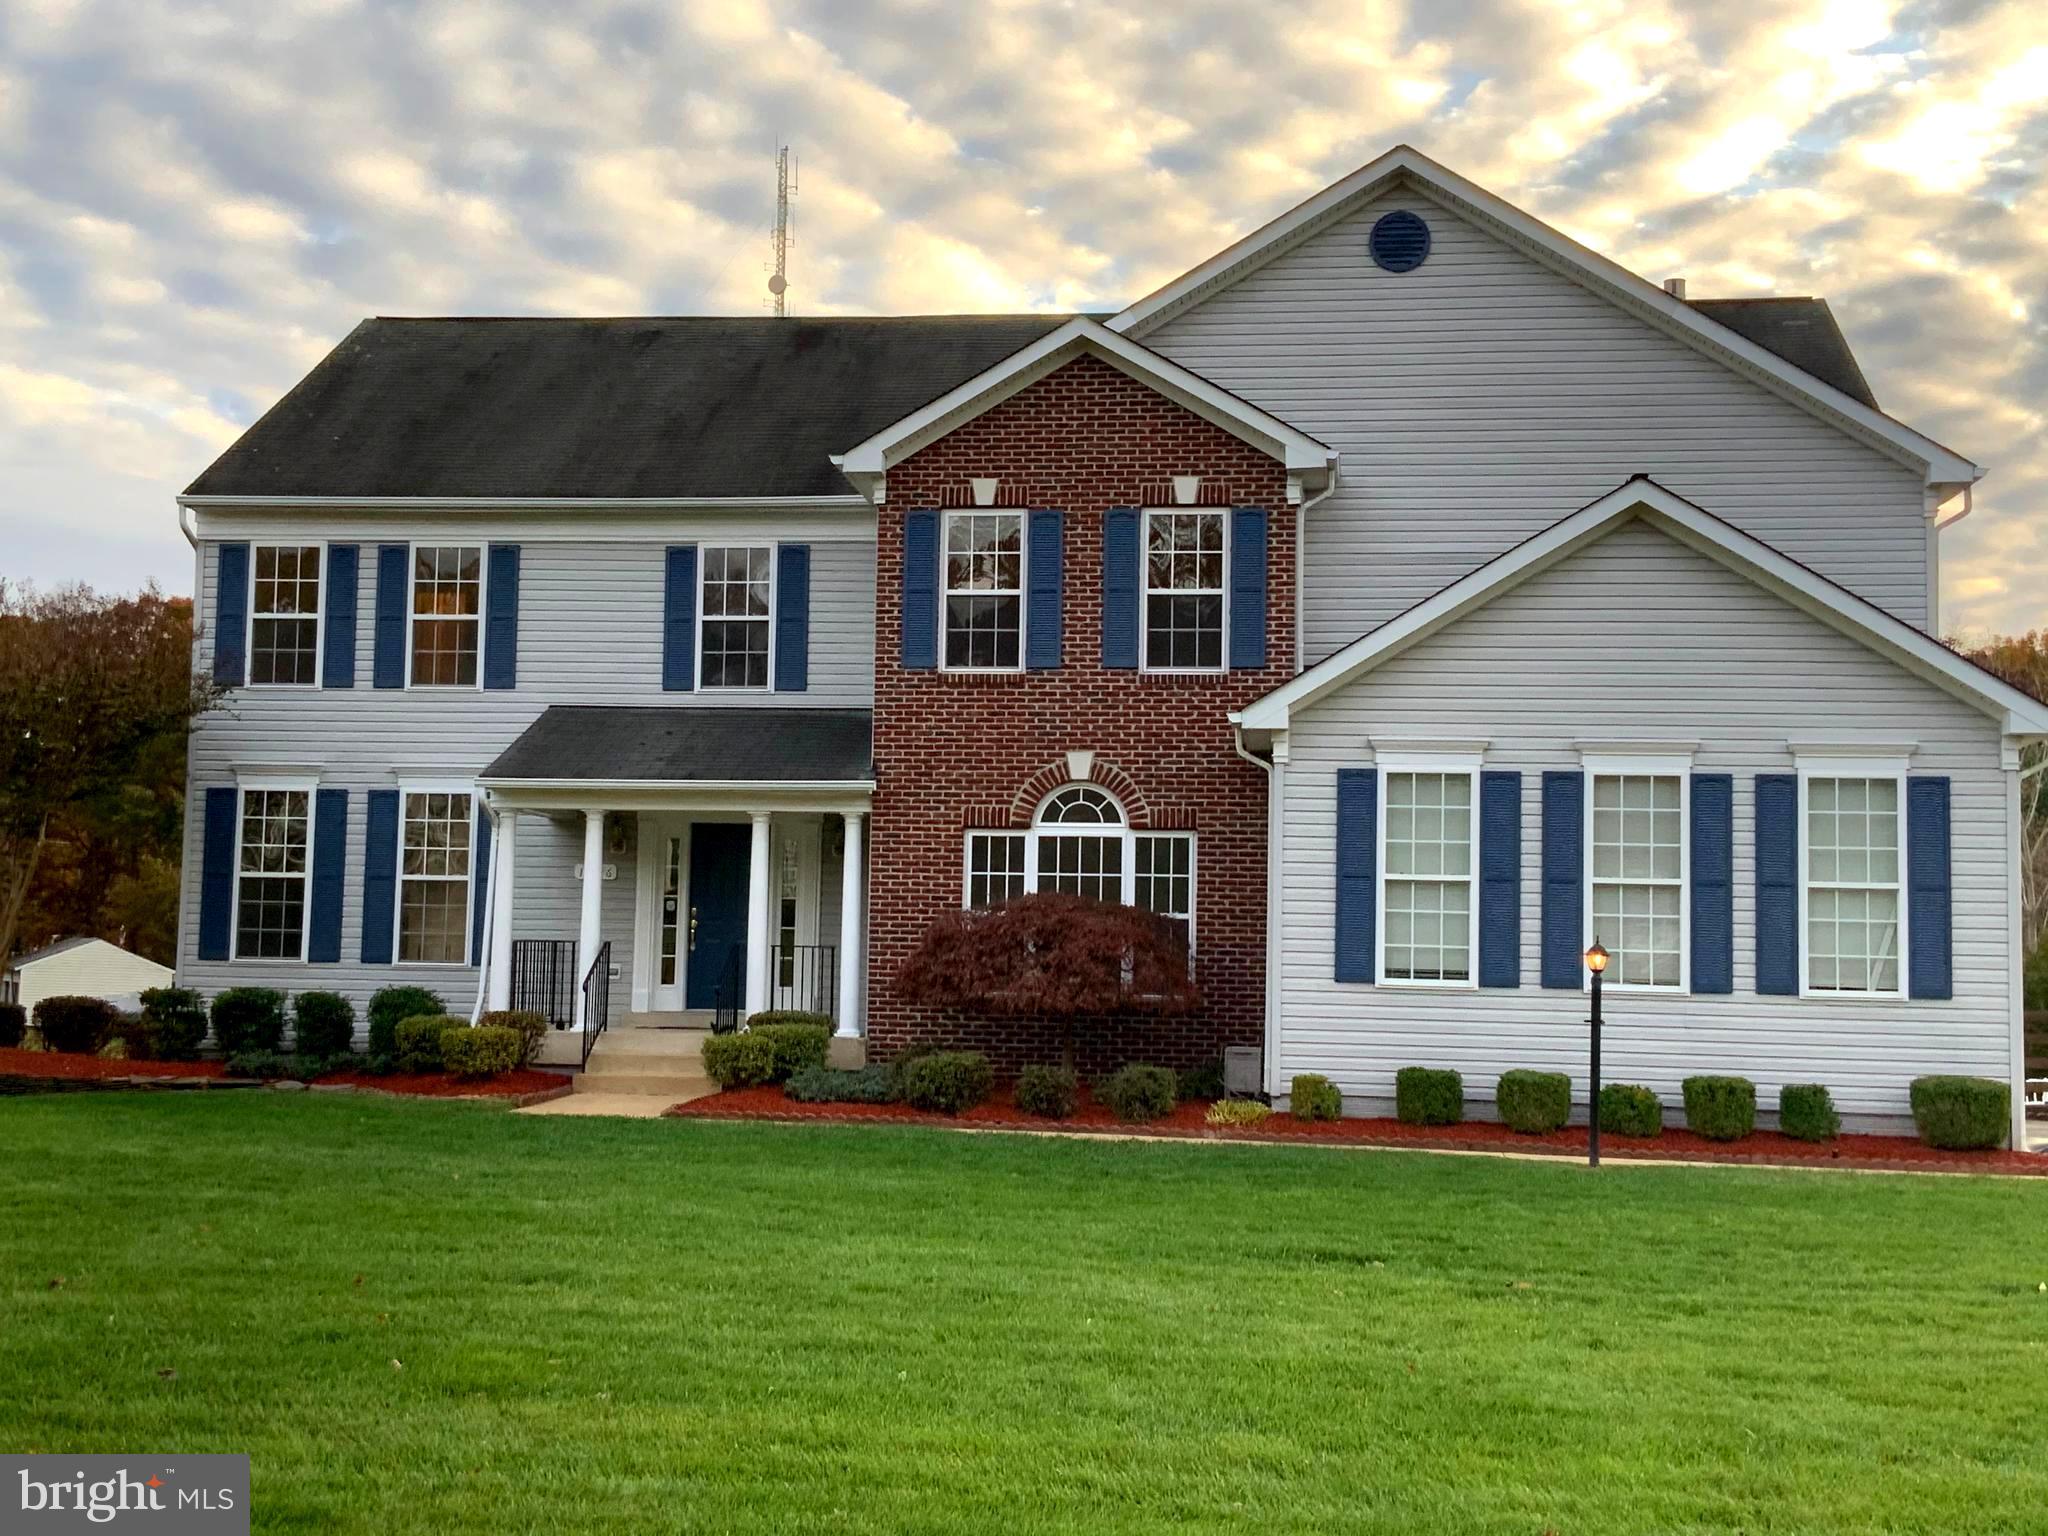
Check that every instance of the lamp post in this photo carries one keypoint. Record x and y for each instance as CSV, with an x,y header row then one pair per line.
x,y
1596,962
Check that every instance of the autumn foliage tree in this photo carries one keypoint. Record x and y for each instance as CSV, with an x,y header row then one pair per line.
x,y
96,694
1051,956
2022,660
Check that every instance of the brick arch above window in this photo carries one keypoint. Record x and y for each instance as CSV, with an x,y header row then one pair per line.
x,y
1104,775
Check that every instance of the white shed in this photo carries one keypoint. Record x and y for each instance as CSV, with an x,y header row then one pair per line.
x,y
81,967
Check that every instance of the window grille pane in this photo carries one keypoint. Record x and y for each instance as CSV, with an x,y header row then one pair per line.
x,y
1639,877
284,630
1083,865
736,601
447,599
995,868
1184,579
984,589
271,880
1429,860
434,870
1852,897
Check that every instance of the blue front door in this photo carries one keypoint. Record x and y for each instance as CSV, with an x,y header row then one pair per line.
x,y
720,852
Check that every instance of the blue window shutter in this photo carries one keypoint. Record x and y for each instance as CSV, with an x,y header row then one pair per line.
x,y
1248,587
1046,554
330,858
387,667
217,875
1358,819
679,620
1120,587
792,618
1564,874
1500,879
338,648
479,882
1930,970
1777,884
1713,882
380,876
920,629
231,616
501,617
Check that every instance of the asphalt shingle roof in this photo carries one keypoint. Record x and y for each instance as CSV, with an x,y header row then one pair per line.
x,y
655,407
680,744
1801,331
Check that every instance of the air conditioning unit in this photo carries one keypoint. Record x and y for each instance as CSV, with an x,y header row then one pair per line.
x,y
1244,1071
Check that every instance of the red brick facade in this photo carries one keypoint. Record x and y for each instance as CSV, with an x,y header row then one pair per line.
x,y
954,751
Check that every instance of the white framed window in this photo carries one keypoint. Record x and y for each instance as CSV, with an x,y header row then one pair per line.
x,y
447,615
1428,873
1638,852
1185,589
434,869
1081,842
273,854
734,611
284,615
984,579
1851,863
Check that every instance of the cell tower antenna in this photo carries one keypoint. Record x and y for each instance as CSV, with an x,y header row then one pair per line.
x,y
785,226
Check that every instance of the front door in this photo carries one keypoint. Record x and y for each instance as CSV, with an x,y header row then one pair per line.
x,y
720,852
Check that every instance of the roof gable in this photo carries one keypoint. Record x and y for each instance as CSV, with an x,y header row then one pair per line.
x,y
1641,497
1303,456
1732,344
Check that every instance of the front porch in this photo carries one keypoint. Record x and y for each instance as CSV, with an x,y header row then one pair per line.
x,y
671,901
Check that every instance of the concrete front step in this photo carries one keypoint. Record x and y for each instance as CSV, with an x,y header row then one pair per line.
x,y
675,1086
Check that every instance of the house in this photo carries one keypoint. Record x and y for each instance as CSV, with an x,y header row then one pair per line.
x,y
81,967
1399,600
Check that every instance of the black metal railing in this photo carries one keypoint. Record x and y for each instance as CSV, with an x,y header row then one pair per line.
x,y
805,977
597,998
728,999
544,979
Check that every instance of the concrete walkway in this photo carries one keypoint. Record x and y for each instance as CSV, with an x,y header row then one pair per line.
x,y
627,1106
636,1072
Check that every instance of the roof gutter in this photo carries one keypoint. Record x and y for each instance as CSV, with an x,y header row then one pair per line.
x,y
533,503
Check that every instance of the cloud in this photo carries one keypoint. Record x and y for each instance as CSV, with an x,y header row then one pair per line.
x,y
197,201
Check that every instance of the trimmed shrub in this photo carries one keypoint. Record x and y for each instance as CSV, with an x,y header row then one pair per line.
x,y
484,1051
1136,1092
1807,1111
532,1028
1534,1102
1428,1096
1720,1108
1203,1082
78,1024
13,1024
1051,1093
1961,1114
796,1044
1628,1109
248,1019
271,1066
776,1016
949,1081
419,1041
823,1085
739,1060
176,1020
1238,1112
391,1007
116,1049
1312,1096
323,1024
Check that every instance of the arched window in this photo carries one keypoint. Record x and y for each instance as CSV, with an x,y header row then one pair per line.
x,y
1082,842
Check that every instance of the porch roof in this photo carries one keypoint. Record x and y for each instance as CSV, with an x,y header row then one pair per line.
x,y
689,745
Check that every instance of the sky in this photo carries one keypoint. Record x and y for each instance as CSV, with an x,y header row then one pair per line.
x,y
197,200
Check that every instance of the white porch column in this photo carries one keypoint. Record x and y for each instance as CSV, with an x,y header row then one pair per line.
x,y
852,894
502,846
587,937
758,926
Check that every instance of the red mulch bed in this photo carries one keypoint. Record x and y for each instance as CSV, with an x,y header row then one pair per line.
x,y
1897,1153
522,1084
19,1063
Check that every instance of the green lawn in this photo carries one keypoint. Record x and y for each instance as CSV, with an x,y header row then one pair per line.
x,y
635,1326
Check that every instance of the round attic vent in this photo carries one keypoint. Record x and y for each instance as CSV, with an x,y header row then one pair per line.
x,y
1400,241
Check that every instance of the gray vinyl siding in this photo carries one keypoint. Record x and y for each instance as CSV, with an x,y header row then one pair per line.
x,y
1483,396
1639,637
590,632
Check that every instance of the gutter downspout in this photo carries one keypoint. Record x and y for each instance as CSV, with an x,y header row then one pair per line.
x,y
1276,779
1301,566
